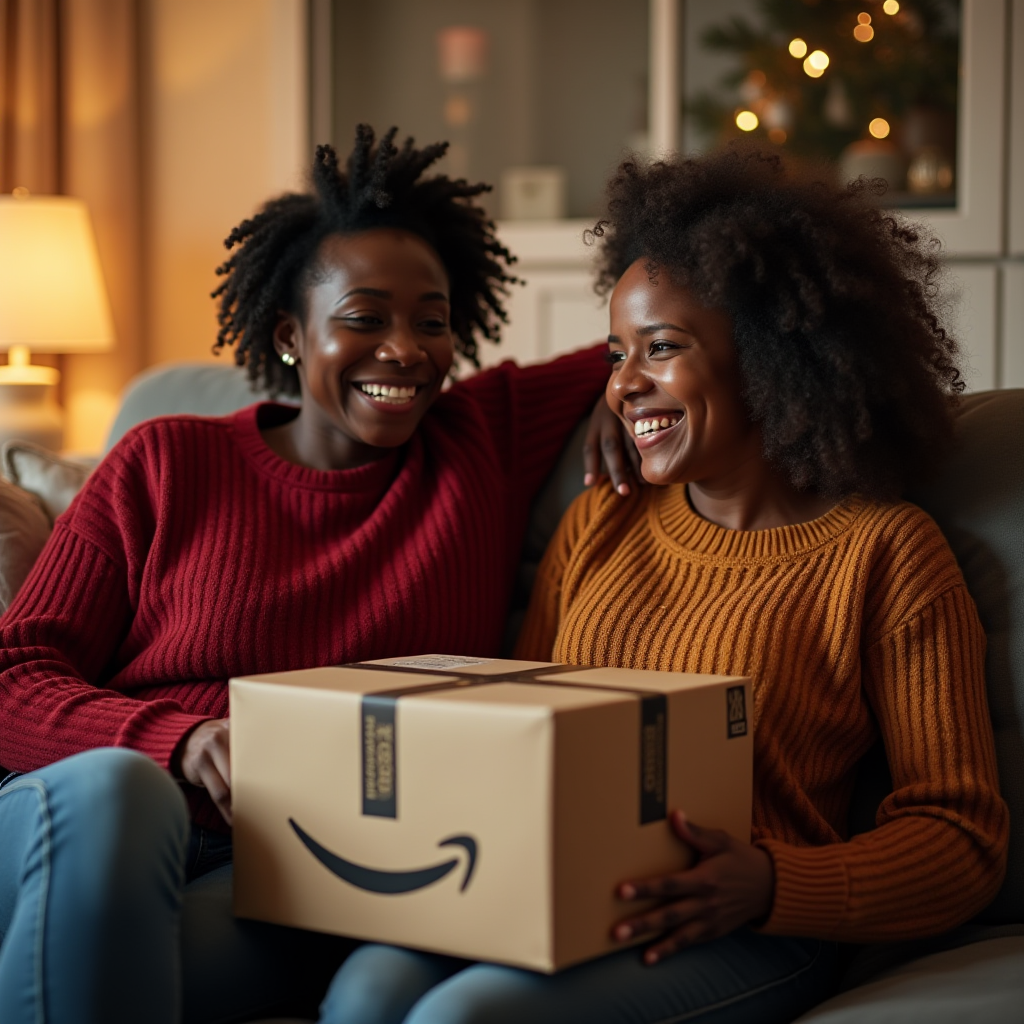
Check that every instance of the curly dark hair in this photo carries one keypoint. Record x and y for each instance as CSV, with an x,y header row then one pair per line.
x,y
846,365
275,257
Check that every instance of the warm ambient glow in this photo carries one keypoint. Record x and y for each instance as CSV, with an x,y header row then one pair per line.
x,y
863,33
797,48
816,63
777,135
52,297
890,7
879,127
746,120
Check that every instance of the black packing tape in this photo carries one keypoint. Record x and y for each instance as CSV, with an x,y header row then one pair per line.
x,y
379,741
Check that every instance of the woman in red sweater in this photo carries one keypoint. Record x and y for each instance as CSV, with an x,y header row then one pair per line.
x,y
383,517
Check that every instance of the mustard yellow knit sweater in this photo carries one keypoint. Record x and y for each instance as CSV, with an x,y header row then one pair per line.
x,y
856,623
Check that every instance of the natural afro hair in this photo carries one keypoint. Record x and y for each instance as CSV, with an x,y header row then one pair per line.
x,y
275,253
846,366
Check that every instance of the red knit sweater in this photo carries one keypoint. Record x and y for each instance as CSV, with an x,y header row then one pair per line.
x,y
194,553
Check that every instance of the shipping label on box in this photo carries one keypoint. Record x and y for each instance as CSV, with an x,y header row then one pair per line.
x,y
477,807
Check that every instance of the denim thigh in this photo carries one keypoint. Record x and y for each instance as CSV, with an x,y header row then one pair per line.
x,y
741,978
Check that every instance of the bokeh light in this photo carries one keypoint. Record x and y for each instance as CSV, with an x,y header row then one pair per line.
x,y
746,120
864,18
811,70
863,33
777,135
797,48
879,127
891,7
818,59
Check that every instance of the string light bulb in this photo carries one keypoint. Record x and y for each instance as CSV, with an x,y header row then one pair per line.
x,y
797,48
746,120
815,64
879,127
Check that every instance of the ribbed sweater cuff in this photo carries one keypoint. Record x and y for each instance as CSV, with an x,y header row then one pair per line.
x,y
157,735
811,889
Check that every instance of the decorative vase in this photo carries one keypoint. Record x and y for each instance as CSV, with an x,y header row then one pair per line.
x,y
873,158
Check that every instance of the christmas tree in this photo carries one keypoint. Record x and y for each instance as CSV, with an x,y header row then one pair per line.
x,y
815,76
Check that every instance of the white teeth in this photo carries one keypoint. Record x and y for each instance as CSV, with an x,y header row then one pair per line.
x,y
390,394
643,427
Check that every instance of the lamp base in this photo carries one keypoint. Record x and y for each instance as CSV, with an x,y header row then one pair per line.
x,y
29,412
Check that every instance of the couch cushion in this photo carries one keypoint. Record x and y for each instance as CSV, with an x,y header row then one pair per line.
x,y
24,529
978,502
980,982
200,389
52,479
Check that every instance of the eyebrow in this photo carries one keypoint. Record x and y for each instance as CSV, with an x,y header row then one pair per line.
x,y
614,339
654,328
378,293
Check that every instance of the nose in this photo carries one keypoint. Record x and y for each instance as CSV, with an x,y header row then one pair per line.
x,y
629,378
402,347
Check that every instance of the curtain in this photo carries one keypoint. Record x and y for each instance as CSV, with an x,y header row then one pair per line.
x,y
70,124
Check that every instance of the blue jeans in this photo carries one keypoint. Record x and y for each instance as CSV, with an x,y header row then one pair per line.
x,y
740,979
97,924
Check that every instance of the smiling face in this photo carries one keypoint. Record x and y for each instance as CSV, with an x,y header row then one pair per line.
x,y
675,382
373,348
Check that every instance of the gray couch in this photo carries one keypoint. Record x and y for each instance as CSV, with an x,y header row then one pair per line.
x,y
975,972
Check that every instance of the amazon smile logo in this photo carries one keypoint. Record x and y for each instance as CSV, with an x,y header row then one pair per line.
x,y
390,882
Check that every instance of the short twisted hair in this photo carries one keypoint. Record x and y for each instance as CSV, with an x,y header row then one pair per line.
x,y
846,365
274,259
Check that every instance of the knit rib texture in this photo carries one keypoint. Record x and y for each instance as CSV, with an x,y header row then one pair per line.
x,y
854,624
195,553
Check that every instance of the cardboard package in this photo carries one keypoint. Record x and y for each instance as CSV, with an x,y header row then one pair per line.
x,y
481,808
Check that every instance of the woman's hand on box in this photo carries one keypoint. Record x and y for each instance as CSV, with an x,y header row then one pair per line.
x,y
607,436
206,762
729,885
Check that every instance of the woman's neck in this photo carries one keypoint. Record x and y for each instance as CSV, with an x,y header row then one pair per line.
x,y
755,496
306,442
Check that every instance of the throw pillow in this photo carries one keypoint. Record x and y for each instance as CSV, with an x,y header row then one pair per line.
x,y
24,529
53,480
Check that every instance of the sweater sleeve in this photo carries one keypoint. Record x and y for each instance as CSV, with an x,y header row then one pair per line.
x,y
60,637
531,411
544,616
944,829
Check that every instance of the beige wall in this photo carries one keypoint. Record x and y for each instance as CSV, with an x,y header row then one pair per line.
x,y
102,162
221,107
227,123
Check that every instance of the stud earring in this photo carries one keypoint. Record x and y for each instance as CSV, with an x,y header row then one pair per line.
x,y
288,359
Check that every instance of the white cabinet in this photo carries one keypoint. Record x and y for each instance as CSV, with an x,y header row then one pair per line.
x,y
984,235
556,309
973,290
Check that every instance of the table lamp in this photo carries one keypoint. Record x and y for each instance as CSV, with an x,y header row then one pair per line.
x,y
52,299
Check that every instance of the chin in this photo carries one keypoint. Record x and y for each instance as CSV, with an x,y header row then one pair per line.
x,y
655,475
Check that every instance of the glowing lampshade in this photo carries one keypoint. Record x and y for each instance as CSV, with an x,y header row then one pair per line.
x,y
52,299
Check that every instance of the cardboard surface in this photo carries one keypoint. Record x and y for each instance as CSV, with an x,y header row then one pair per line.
x,y
438,804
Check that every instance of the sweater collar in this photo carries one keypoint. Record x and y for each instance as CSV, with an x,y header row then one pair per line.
x,y
372,478
674,519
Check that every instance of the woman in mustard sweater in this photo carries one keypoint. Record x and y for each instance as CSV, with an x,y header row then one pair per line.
x,y
776,353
